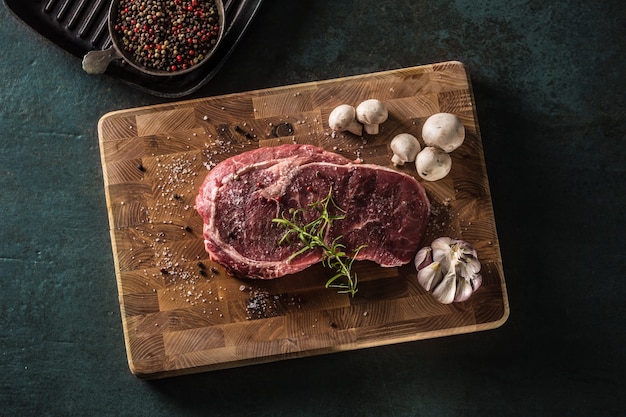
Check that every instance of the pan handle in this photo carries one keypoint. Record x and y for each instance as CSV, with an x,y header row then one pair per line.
x,y
96,62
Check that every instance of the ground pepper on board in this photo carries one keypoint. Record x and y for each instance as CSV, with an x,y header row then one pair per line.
x,y
167,35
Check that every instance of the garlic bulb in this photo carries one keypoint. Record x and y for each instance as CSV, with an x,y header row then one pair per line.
x,y
449,268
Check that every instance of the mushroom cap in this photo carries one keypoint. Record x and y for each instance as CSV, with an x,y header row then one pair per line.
x,y
443,130
432,163
371,111
341,117
405,148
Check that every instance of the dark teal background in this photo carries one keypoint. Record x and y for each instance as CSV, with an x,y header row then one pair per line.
x,y
549,80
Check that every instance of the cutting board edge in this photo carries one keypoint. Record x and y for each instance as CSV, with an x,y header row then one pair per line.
x,y
187,102
116,262
137,371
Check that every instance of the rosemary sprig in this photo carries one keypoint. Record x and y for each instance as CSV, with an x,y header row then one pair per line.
x,y
312,236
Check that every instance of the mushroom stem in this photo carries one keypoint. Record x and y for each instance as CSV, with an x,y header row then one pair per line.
x,y
396,160
371,129
343,118
405,148
355,127
371,113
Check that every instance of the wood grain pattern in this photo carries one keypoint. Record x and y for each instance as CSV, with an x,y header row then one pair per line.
x,y
181,313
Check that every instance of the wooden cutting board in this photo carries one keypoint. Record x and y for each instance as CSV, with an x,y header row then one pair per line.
x,y
181,313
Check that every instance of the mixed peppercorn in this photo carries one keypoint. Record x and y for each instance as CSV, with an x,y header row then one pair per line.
x,y
167,35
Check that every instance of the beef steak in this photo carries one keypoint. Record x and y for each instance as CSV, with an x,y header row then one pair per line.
x,y
384,209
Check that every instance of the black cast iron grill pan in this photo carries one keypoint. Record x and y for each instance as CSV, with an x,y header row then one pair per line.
x,y
80,26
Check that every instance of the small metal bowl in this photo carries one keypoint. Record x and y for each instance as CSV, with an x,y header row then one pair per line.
x,y
96,62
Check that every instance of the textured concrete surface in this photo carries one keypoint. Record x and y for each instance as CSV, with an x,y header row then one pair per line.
x,y
549,82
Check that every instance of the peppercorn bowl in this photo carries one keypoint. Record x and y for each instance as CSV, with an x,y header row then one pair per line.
x,y
160,37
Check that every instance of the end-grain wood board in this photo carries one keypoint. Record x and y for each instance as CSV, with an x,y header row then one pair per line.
x,y
181,313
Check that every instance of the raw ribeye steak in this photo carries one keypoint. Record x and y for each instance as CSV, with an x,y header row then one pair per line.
x,y
385,210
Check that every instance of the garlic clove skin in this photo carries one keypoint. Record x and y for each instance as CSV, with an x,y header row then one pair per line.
x,y
476,281
441,251
441,247
423,258
468,267
463,291
466,258
446,290
430,276
467,287
449,268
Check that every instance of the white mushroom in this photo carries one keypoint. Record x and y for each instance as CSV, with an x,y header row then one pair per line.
x,y
371,113
443,130
433,163
343,118
405,148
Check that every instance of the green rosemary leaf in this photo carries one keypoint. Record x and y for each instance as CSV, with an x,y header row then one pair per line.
x,y
312,235
297,253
